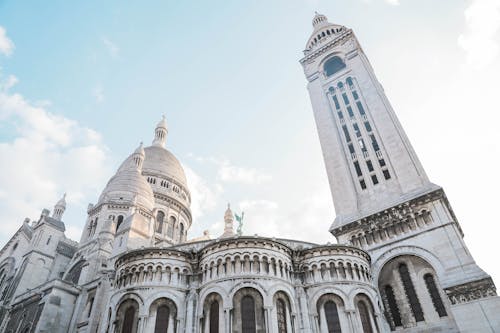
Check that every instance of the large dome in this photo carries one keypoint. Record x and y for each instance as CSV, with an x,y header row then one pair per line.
x,y
158,160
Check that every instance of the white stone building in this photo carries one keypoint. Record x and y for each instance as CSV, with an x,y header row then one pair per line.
x,y
401,263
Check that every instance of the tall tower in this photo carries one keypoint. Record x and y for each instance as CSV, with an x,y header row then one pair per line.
x,y
384,200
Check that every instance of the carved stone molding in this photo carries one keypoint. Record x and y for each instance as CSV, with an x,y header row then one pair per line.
x,y
471,291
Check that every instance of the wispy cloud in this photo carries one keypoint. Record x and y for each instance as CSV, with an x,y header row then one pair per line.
x,y
237,174
49,155
111,46
6,45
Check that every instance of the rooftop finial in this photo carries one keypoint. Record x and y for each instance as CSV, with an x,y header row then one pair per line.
x,y
161,132
319,19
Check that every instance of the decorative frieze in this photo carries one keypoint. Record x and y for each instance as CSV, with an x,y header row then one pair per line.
x,y
471,291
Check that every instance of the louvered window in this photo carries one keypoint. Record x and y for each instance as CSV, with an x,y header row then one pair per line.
x,y
332,317
434,293
410,293
393,306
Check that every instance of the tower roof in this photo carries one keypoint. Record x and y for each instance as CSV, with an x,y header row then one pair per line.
x,y
323,31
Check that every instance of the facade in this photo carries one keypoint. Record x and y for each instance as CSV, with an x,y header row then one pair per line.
x,y
400,263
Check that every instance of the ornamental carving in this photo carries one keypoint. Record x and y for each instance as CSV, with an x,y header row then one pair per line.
x,y
471,291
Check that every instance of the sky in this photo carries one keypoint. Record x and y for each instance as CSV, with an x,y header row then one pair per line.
x,y
81,84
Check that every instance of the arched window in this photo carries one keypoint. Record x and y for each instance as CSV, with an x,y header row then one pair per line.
x,y
349,81
333,65
128,320
119,221
160,216
94,227
434,293
248,314
91,225
214,317
74,273
171,224
281,314
162,315
393,306
410,293
181,232
332,317
365,317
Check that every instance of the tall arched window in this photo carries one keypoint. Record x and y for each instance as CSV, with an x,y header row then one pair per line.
x,y
128,320
333,65
214,317
434,293
160,216
332,317
162,315
365,317
415,306
119,221
248,314
181,232
281,314
393,306
171,224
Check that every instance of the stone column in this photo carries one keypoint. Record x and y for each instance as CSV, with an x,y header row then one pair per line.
x,y
304,320
353,322
227,320
267,319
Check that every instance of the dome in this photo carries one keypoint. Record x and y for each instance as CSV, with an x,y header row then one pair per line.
x,y
323,31
128,185
159,160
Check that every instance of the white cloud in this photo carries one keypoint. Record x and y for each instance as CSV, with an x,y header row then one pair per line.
x,y
481,35
112,48
49,155
235,174
392,2
6,45
203,196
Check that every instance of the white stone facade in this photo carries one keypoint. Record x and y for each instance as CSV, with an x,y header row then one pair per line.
x,y
401,263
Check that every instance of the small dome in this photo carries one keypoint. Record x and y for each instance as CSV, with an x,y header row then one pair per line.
x,y
159,160
319,19
128,185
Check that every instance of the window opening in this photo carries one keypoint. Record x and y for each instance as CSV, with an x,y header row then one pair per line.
x,y
365,317
393,306
358,169
374,180
411,293
369,165
332,317
434,293
386,173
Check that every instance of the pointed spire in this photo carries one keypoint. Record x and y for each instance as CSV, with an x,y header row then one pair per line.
x,y
161,132
228,223
59,208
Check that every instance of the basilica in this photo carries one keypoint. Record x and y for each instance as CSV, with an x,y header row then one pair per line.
x,y
400,263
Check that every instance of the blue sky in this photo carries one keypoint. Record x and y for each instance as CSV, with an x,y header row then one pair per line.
x,y
83,84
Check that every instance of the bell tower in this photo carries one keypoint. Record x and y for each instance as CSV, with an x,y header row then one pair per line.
x,y
383,198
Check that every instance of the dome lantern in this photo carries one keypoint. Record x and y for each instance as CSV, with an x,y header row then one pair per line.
x,y
59,208
161,132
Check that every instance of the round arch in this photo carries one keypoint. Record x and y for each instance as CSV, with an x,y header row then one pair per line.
x,y
416,251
